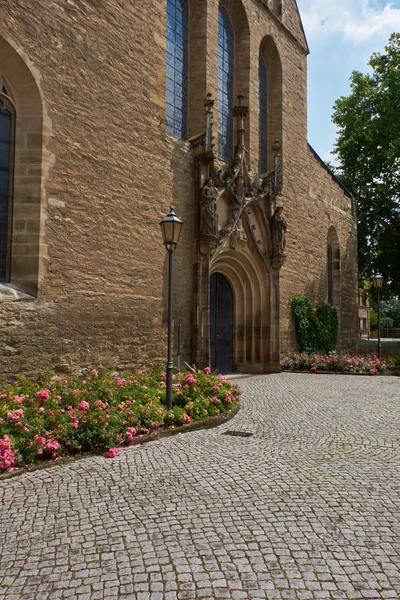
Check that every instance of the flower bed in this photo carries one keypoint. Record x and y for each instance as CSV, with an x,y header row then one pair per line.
x,y
55,417
367,363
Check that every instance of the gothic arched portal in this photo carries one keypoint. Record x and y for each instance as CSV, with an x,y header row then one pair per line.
x,y
250,284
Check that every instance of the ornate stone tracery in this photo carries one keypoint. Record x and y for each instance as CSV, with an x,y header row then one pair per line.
x,y
238,213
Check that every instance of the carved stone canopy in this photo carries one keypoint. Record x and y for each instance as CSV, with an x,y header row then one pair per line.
x,y
238,190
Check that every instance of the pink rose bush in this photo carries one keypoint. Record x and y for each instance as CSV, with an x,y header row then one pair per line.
x,y
57,416
6,454
366,363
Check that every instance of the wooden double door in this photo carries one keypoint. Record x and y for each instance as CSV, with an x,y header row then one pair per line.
x,y
221,323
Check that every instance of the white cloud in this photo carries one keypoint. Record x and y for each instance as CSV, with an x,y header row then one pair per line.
x,y
342,35
358,21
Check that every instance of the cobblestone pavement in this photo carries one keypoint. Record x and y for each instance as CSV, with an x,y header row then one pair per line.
x,y
306,508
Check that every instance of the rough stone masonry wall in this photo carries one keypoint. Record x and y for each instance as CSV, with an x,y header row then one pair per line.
x,y
322,204
116,172
102,293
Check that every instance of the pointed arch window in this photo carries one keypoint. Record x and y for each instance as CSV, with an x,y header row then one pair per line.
x,y
333,268
225,85
7,123
330,274
176,67
262,115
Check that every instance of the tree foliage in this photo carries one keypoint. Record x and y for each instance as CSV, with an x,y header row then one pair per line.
x,y
368,150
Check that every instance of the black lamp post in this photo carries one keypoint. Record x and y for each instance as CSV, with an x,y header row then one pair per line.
x,y
171,229
377,280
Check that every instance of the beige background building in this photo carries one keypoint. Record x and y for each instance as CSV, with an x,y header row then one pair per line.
x,y
93,166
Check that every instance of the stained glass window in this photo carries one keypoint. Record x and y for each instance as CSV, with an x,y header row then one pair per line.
x,y
262,116
225,86
177,50
5,176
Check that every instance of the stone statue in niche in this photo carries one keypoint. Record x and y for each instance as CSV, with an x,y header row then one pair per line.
x,y
208,208
238,237
278,232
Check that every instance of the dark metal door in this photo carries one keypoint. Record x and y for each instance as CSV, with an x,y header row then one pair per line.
x,y
221,324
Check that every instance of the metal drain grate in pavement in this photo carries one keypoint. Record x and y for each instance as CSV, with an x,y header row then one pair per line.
x,y
244,434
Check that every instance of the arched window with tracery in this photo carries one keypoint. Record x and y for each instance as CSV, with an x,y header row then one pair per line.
x,y
226,49
7,125
262,115
176,67
270,102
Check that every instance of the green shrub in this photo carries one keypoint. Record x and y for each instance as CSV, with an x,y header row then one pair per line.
x,y
305,323
316,331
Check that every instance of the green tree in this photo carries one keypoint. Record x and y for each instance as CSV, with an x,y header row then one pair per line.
x,y
391,311
368,150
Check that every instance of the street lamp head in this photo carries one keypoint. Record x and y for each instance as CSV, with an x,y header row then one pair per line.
x,y
171,230
377,280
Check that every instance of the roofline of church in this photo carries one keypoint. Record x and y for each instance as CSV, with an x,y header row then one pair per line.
x,y
289,33
302,27
331,173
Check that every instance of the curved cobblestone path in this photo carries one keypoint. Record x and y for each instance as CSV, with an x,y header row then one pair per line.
x,y
306,508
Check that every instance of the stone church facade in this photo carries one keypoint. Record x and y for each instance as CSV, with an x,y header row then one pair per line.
x,y
110,112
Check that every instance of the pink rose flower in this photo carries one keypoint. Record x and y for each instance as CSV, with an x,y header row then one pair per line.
x,y
190,379
51,446
101,404
15,415
38,439
112,453
130,434
42,396
186,418
215,400
84,406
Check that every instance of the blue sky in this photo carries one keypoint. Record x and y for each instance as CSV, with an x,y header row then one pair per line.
x,y
342,35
